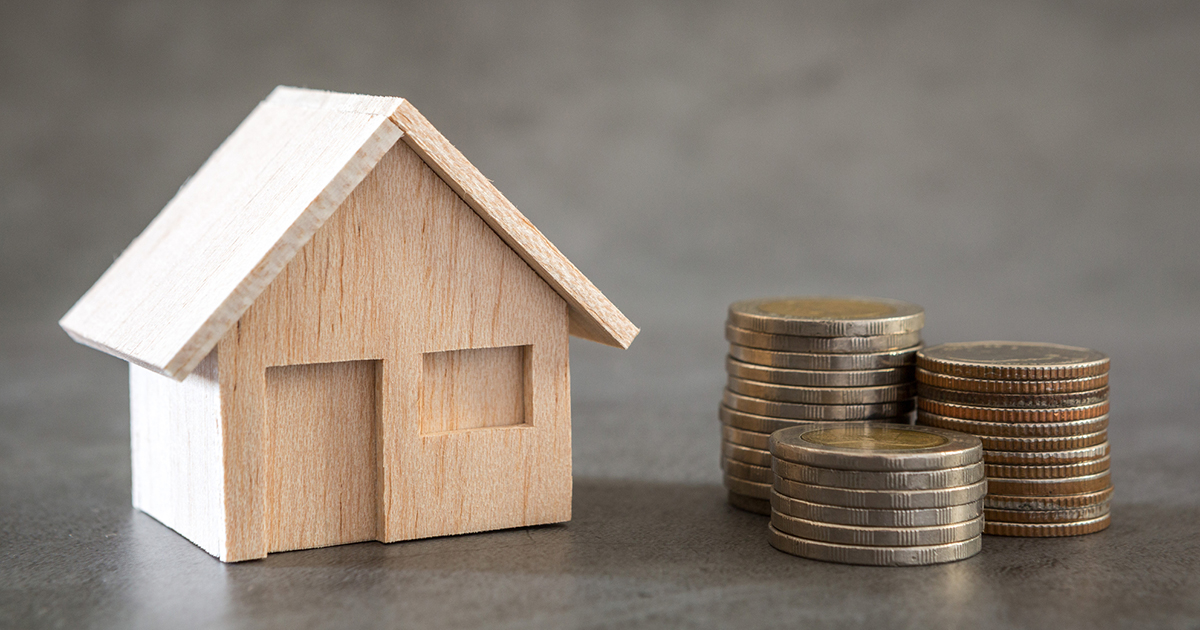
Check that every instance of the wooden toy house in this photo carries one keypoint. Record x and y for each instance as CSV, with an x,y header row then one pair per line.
x,y
339,330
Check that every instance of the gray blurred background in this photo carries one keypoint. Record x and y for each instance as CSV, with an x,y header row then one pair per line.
x,y
1025,171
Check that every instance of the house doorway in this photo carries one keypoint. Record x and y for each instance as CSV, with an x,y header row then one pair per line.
x,y
322,473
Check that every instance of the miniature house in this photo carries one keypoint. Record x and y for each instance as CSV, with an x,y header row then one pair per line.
x,y
340,331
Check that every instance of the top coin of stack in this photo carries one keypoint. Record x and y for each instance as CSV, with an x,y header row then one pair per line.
x,y
872,493
798,360
1041,411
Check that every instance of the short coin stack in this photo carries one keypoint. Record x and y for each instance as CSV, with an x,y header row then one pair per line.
x,y
879,494
1041,411
800,360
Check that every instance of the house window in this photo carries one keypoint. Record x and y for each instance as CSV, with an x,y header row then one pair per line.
x,y
477,388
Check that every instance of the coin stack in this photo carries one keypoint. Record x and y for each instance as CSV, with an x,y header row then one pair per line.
x,y
875,493
799,360
1041,411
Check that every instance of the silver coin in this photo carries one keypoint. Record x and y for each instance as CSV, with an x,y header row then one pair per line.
x,y
745,454
876,556
1047,530
902,358
747,488
1015,429
1040,458
881,499
767,425
749,504
1082,484
876,480
875,517
753,439
876,446
1046,444
758,423
1013,360
821,345
818,378
878,536
1049,503
1048,471
798,411
1070,515
827,316
749,472
822,395
1014,401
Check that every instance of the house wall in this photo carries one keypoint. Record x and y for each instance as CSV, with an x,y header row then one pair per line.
x,y
175,439
402,269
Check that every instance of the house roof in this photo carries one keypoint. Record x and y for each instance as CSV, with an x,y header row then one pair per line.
x,y
231,228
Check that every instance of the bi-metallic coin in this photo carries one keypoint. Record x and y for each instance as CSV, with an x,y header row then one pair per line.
x,y
875,517
876,556
818,378
824,316
901,358
1012,360
876,446
821,345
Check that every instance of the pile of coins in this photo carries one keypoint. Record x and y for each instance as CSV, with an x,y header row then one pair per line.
x,y
1041,411
878,494
800,360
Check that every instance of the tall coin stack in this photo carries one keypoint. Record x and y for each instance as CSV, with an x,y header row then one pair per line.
x,y
799,360
1041,411
879,494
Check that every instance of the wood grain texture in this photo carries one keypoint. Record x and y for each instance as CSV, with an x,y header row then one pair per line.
x,y
473,389
202,262
232,227
402,269
322,422
175,440
593,316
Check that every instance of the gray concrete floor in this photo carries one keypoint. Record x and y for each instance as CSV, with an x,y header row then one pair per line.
x,y
1023,170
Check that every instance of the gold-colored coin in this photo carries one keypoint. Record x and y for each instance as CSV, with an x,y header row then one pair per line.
x,y
749,472
822,316
1047,516
800,411
1045,504
1048,530
753,439
1014,401
881,499
994,414
877,536
875,517
757,423
1054,471
945,381
1004,429
745,454
822,395
870,446
1012,360
747,488
1044,458
820,345
1050,487
1045,444
901,358
878,480
818,378
874,556
749,504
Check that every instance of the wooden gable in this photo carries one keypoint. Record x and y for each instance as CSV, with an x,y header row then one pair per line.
x,y
231,229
